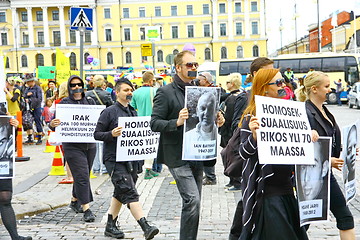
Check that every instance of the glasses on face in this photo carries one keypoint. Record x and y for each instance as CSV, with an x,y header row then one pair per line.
x,y
279,82
191,64
75,84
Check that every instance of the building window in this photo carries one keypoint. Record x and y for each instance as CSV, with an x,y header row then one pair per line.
x,y
127,34
126,13
2,17
255,51
238,7
85,58
53,59
56,38
4,39
206,30
173,10
24,17
87,36
55,15
7,62
73,61
157,11
222,8
161,36
40,37
39,60
72,36
141,12
128,57
175,51
254,6
190,31
160,56
207,54
206,9
107,13
189,10
239,52
25,39
24,62
142,33
108,35
222,29
39,16
174,31
109,58
238,28
223,53
254,28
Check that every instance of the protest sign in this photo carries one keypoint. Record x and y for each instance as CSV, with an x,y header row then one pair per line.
x,y
200,129
137,141
46,72
313,184
284,135
7,148
351,136
78,122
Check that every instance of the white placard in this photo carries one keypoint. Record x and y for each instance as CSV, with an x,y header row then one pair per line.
x,y
137,141
78,122
284,135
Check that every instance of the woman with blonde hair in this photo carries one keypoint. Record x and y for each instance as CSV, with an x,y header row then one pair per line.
x,y
13,95
313,93
269,203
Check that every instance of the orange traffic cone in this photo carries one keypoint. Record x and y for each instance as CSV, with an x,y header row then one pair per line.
x,y
49,148
57,168
19,141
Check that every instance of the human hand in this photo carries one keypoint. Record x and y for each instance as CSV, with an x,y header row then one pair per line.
x,y
6,90
29,93
55,122
220,120
254,125
116,132
14,122
314,135
183,115
337,163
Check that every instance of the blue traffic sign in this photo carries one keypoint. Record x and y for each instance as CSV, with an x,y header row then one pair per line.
x,y
81,18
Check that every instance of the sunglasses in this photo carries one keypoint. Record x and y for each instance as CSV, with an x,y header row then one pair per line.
x,y
75,84
279,82
191,64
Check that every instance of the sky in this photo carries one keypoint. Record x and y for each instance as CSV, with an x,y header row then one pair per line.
x,y
306,15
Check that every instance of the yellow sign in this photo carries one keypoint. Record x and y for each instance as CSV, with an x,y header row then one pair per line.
x,y
146,50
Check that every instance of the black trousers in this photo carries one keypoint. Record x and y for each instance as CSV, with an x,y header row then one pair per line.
x,y
80,157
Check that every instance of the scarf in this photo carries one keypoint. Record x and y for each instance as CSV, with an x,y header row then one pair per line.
x,y
180,83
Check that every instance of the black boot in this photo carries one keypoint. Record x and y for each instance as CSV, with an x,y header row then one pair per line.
x,y
149,231
24,238
112,230
29,141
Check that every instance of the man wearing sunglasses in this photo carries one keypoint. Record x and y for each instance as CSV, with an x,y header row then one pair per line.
x,y
168,118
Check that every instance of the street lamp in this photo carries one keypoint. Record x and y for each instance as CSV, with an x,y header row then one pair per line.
x,y
295,17
281,28
16,45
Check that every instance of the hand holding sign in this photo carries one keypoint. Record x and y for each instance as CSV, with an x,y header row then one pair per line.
x,y
254,125
183,115
116,131
55,122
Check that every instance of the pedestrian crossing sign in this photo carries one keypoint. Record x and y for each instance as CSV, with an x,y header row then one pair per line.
x,y
81,18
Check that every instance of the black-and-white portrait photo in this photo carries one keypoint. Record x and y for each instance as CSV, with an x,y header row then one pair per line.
x,y
312,184
3,107
7,148
200,139
350,143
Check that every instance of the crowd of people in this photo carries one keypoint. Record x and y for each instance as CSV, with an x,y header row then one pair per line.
x,y
268,208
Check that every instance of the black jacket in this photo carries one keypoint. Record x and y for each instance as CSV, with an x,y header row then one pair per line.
x,y
108,120
323,127
103,95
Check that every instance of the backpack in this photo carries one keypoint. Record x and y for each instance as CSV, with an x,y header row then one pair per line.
x,y
230,156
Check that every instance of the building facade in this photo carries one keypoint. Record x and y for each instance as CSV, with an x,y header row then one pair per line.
x,y
219,29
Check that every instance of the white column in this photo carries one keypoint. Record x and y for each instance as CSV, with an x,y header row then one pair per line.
x,y
46,27
215,20
230,20
247,19
30,27
16,28
262,19
62,26
94,33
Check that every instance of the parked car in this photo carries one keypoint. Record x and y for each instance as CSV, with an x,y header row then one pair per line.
x,y
354,95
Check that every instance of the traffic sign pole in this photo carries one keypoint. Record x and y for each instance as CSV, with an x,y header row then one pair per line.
x,y
153,55
81,31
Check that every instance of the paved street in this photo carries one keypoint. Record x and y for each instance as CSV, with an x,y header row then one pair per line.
x,y
43,203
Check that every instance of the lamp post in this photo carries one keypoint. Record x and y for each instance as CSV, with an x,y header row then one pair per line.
x,y
319,29
281,28
15,45
295,17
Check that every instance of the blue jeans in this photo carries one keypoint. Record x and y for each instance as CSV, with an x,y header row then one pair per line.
x,y
98,165
338,98
37,118
189,183
210,173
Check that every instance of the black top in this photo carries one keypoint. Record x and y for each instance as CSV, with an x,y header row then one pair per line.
x,y
280,183
108,120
